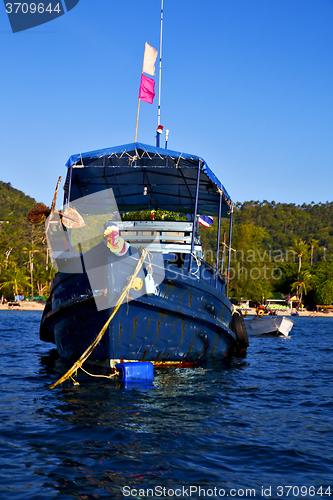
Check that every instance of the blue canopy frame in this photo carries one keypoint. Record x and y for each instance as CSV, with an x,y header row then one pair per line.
x,y
169,176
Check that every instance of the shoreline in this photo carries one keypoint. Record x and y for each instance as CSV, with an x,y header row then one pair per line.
x,y
27,306
308,314
24,306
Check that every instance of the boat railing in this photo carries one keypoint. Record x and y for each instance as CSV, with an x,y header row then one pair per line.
x,y
164,231
160,236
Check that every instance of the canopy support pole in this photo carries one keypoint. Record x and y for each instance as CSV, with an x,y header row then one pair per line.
x,y
195,216
229,250
218,241
222,259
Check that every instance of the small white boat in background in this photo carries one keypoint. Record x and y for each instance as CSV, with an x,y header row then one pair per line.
x,y
268,325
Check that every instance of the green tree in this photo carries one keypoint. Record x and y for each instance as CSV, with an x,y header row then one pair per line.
x,y
252,266
303,284
287,278
324,293
322,271
301,250
15,278
43,278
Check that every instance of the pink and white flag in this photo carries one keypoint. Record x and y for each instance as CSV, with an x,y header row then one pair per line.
x,y
149,60
147,89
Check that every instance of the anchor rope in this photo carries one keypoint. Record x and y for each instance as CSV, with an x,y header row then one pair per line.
x,y
78,364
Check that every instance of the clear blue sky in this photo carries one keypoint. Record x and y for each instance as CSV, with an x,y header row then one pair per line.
x,y
246,84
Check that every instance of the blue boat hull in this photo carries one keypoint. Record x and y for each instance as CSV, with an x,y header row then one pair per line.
x,y
187,321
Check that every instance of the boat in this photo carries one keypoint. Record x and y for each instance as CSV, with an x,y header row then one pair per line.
x,y
176,310
268,326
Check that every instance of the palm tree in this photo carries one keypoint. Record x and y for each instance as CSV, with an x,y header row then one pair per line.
x,y
15,278
43,278
301,250
312,244
303,284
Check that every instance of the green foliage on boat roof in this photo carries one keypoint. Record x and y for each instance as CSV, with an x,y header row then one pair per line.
x,y
153,215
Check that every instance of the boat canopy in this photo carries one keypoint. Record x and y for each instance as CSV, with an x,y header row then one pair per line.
x,y
145,177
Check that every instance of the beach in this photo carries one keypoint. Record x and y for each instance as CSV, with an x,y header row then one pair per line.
x,y
24,306
319,314
36,306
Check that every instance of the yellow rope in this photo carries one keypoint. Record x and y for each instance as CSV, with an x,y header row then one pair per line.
x,y
228,248
86,354
102,376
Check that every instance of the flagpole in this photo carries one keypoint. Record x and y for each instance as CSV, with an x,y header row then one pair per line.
x,y
137,121
160,70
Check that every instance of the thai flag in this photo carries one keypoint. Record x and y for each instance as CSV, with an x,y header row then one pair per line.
x,y
206,220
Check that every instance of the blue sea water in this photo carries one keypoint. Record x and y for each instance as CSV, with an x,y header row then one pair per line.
x,y
259,426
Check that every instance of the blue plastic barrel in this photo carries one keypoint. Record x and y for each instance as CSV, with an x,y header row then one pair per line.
x,y
137,371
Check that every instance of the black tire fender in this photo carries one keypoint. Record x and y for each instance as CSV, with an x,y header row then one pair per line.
x,y
239,329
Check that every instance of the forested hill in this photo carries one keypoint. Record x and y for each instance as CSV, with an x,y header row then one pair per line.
x,y
286,221
17,236
283,222
271,241
278,247
13,203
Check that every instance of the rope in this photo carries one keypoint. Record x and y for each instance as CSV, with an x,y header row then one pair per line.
x,y
149,267
103,376
198,264
228,248
179,157
132,159
86,354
